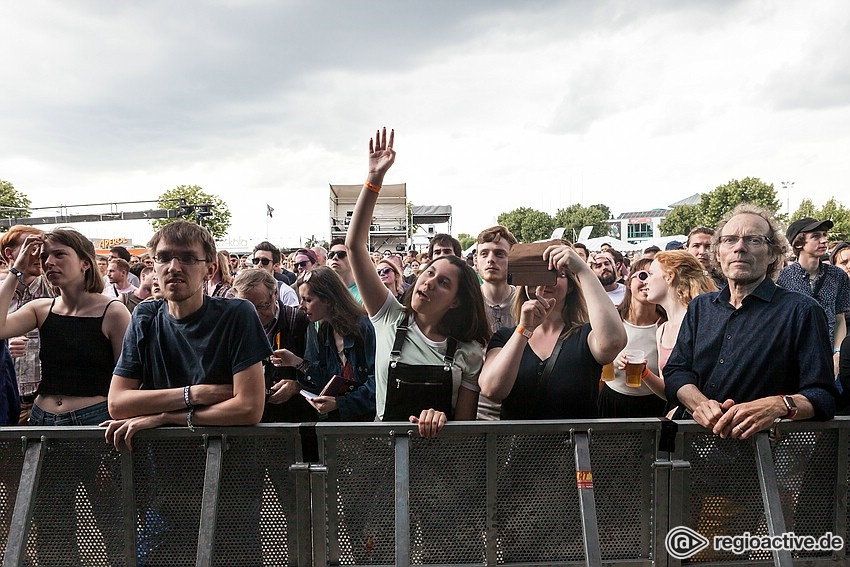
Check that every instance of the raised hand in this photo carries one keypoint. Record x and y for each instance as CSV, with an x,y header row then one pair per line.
x,y
381,155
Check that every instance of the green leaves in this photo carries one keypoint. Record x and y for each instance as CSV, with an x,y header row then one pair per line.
x,y
217,222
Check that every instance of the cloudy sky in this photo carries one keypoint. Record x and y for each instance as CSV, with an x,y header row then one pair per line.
x,y
495,104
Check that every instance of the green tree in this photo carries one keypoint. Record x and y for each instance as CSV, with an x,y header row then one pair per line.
x,y
13,203
724,198
681,220
806,209
466,240
527,224
217,222
575,217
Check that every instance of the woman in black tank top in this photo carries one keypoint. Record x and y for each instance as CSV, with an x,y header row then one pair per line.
x,y
81,332
81,335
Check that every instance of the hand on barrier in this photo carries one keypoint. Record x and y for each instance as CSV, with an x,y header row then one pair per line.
x,y
430,422
742,421
124,429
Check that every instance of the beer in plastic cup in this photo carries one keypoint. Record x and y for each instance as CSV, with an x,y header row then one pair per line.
x,y
608,372
635,364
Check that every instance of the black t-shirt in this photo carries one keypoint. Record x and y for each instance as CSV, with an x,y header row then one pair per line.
x,y
571,389
221,339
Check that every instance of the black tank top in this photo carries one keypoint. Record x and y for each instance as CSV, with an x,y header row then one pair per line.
x,y
76,357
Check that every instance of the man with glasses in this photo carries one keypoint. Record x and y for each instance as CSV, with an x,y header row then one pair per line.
x,y
338,262
267,257
191,359
491,261
827,284
305,260
752,352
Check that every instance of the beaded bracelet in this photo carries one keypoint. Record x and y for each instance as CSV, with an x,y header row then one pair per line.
x,y
186,396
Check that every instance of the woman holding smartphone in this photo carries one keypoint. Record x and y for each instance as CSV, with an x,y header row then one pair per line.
x,y
429,351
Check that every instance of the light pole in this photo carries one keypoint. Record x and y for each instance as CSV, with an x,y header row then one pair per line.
x,y
788,185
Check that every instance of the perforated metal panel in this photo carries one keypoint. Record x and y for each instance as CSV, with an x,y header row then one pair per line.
x,y
364,530
725,497
537,512
169,478
277,516
447,500
622,482
77,518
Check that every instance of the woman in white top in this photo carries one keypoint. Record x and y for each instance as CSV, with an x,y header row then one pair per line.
x,y
640,318
429,351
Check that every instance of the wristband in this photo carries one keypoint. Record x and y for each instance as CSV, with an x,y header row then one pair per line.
x,y
834,351
524,332
372,187
17,273
189,415
303,366
645,372
186,397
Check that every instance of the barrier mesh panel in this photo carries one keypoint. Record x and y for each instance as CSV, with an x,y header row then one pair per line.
x,y
447,500
77,518
622,486
806,466
537,514
277,514
725,497
364,501
11,463
169,480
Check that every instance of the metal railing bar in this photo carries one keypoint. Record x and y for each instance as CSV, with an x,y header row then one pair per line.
x,y
209,502
770,496
19,527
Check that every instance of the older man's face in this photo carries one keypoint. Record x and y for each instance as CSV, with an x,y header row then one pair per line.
x,y
743,262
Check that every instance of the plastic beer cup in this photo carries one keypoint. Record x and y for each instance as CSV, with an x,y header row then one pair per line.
x,y
635,365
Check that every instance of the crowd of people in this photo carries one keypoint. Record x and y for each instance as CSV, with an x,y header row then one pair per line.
x,y
742,325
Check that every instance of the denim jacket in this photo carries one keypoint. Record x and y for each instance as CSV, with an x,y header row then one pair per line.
x,y
321,352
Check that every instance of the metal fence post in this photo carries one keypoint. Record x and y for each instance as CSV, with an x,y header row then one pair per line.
x,y
402,498
25,501
770,496
128,499
491,533
587,504
209,500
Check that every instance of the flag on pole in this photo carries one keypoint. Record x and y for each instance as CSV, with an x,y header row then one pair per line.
x,y
269,210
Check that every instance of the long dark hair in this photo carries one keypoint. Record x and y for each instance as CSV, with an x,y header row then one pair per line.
x,y
345,313
467,322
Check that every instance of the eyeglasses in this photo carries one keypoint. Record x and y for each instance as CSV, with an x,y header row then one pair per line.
x,y
750,240
341,254
302,263
256,261
384,271
186,259
642,275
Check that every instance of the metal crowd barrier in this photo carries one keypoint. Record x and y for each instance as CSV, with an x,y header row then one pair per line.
x,y
590,492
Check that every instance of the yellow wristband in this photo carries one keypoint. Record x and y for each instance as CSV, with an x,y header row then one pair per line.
x,y
372,187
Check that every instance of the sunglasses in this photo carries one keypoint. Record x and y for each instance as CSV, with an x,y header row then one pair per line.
x,y
265,261
642,275
341,254
384,271
302,263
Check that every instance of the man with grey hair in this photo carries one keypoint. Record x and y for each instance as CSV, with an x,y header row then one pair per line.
x,y
732,372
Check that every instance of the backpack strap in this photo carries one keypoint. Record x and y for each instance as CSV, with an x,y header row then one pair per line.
x,y
451,349
550,364
400,335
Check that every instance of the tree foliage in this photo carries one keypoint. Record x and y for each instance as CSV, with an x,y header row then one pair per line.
x,y
217,223
466,240
832,210
527,224
575,217
715,204
13,203
681,220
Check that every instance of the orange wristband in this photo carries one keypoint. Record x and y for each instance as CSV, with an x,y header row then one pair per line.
x,y
645,372
372,187
524,332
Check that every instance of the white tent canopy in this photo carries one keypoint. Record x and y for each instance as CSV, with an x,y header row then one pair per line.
x,y
595,244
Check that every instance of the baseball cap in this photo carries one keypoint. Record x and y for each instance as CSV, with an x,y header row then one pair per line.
x,y
806,224
674,245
